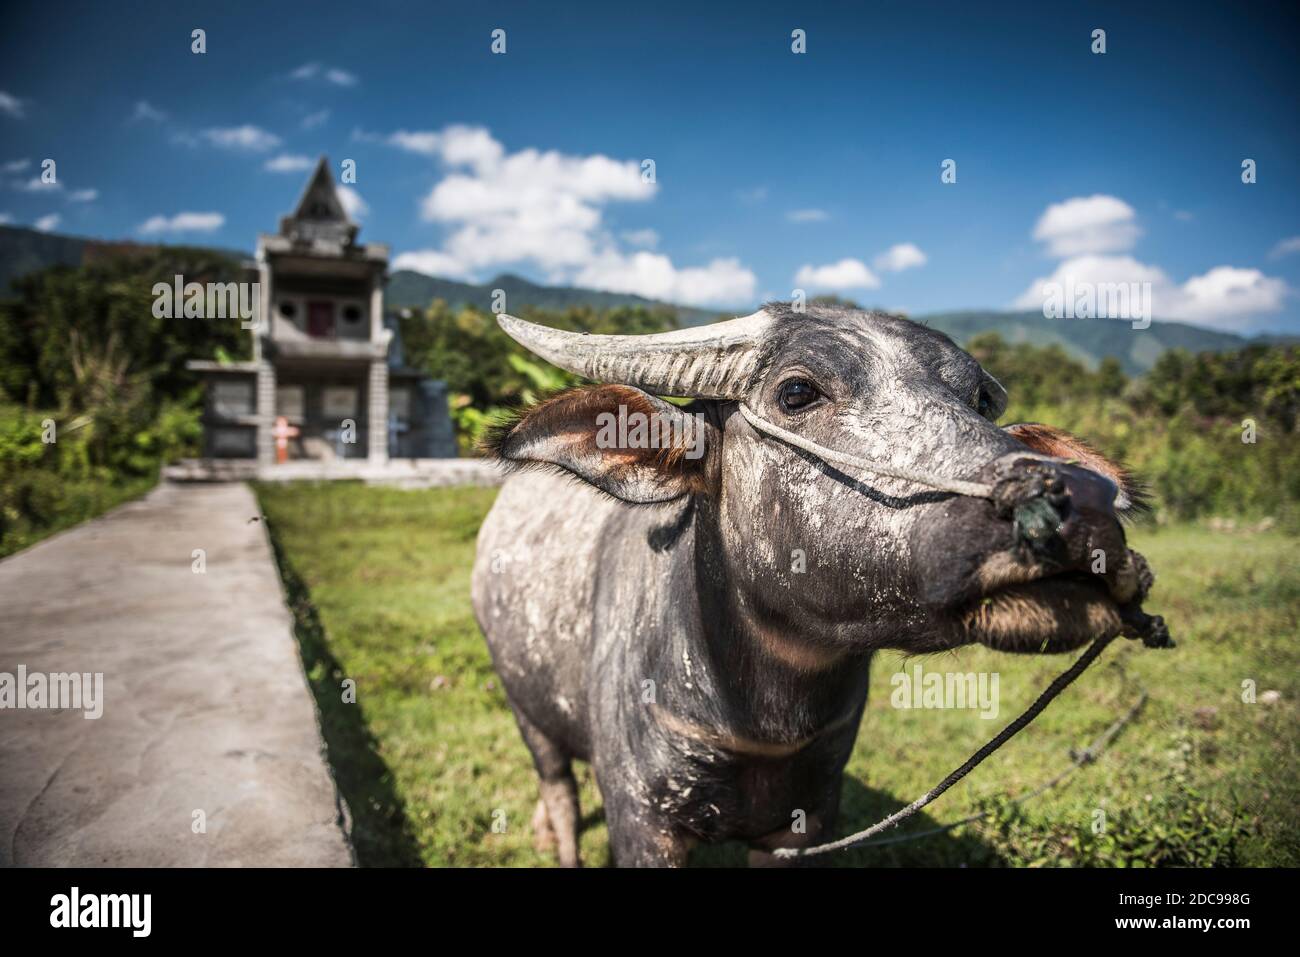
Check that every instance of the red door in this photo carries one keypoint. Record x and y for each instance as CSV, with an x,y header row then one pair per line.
x,y
320,320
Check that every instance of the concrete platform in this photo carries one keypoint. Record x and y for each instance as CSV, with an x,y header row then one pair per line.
x,y
205,706
402,473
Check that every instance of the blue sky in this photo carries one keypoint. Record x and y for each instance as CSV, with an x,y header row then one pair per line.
x,y
773,170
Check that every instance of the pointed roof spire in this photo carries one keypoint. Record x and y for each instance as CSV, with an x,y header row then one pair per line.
x,y
320,213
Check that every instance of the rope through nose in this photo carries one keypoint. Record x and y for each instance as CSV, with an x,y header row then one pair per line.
x,y
956,486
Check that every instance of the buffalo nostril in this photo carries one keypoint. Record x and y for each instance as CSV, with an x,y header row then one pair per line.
x,y
1036,497
1036,522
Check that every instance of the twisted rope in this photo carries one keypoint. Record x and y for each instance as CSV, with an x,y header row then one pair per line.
x,y
1063,681
957,486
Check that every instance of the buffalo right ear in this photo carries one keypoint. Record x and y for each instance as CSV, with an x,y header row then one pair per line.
x,y
1059,444
625,442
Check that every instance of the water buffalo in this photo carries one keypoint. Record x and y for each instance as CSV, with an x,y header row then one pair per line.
x,y
695,616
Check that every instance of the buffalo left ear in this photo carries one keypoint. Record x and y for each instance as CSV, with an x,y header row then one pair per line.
x,y
623,441
1060,444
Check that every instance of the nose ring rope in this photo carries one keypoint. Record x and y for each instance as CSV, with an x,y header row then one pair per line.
x,y
957,486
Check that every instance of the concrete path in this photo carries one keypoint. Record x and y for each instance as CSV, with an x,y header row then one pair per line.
x,y
205,706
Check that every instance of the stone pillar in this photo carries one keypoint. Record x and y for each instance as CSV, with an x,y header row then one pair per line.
x,y
265,413
265,388
377,307
377,421
264,315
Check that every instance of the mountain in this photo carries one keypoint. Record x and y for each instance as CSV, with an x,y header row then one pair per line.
x,y
1090,340
416,290
27,250
24,250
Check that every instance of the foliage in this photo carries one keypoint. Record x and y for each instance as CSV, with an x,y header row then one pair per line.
x,y
471,422
468,350
95,461
105,310
1259,381
1180,428
1176,828
83,345
487,372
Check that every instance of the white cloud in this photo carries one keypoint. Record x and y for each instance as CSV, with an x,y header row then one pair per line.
x,y
353,204
426,143
10,105
457,145
641,238
48,223
899,257
545,207
1227,294
1285,247
1224,297
15,166
1087,224
38,185
1083,230
288,163
246,138
183,223
845,274
751,197
146,111
313,120
807,215
653,275
5,219
312,71
83,196
432,262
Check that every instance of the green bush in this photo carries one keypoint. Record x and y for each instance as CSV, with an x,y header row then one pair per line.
x,y
84,343
1180,428
48,486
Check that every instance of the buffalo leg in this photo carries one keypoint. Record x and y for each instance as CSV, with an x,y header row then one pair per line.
x,y
639,836
557,817
642,843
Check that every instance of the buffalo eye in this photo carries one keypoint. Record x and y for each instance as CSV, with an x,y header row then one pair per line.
x,y
985,404
797,394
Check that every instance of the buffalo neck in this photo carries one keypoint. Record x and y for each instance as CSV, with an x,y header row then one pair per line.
x,y
773,681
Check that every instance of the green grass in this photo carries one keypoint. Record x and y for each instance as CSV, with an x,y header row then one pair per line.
x,y
429,757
